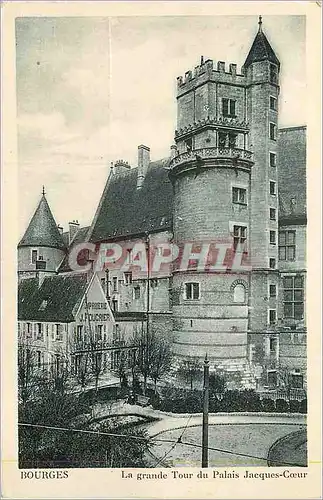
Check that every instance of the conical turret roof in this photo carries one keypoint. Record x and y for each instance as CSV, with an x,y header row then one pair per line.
x,y
261,49
42,229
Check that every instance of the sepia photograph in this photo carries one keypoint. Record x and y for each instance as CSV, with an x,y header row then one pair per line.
x,y
161,245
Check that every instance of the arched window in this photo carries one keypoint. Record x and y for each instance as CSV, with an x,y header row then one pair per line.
x,y
239,293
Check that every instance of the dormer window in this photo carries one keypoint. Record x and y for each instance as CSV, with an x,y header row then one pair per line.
x,y
43,305
34,256
229,107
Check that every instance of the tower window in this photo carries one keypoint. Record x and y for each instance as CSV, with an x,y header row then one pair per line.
x,y
272,237
229,107
239,294
233,140
294,297
286,245
34,256
273,103
272,213
272,291
239,236
272,187
189,144
239,195
222,139
272,131
272,263
136,292
273,74
192,291
272,318
272,159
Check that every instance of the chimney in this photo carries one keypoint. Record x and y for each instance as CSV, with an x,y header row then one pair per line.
x,y
60,229
143,164
121,167
73,227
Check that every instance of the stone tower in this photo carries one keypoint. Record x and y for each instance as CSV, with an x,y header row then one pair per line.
x,y
225,192
42,247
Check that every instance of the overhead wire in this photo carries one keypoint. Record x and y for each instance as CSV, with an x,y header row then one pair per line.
x,y
142,438
179,440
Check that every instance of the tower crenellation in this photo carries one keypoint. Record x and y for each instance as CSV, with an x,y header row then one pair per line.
x,y
209,70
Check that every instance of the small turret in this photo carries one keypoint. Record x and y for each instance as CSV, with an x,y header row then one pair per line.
x,y
261,49
42,247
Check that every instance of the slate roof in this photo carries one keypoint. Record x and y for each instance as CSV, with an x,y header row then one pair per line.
x,y
42,229
61,292
80,237
292,175
125,211
261,50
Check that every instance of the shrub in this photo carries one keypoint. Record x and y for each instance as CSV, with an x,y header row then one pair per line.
x,y
268,405
294,406
303,406
282,406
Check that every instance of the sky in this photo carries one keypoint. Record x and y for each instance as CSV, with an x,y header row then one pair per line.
x,y
90,90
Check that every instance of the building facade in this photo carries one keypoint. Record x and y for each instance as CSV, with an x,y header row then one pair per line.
x,y
234,184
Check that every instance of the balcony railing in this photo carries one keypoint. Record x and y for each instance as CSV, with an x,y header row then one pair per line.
x,y
213,152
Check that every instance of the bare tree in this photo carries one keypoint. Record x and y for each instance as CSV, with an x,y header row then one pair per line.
x,y
80,354
27,371
154,353
190,369
285,382
161,358
60,371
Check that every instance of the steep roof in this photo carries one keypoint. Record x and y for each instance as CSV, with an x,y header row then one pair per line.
x,y
261,50
80,237
42,229
53,301
292,175
126,211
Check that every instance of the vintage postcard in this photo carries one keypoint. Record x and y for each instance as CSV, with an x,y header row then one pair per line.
x,y
161,250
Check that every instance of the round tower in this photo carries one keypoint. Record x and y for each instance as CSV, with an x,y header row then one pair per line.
x,y
211,178
42,247
225,193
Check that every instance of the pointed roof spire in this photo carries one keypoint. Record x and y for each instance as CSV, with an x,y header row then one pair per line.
x,y
42,229
261,49
260,24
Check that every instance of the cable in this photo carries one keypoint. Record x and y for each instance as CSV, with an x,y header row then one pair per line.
x,y
242,454
179,440
99,433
